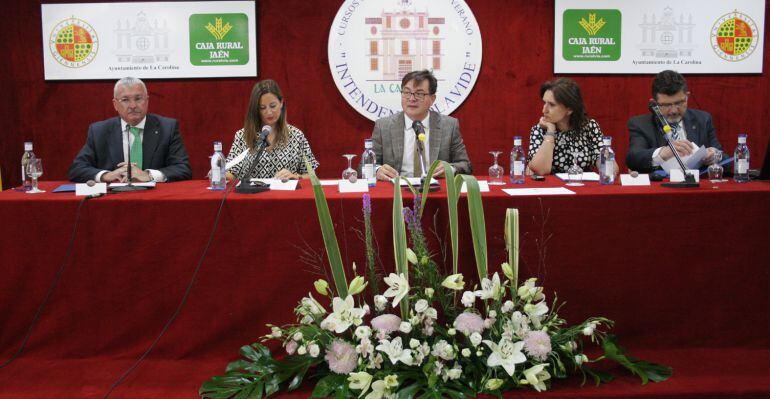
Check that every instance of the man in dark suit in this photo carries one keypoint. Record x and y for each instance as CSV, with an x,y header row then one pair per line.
x,y
647,146
395,139
157,150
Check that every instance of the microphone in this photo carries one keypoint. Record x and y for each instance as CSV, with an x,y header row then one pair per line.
x,y
655,109
264,133
252,188
419,132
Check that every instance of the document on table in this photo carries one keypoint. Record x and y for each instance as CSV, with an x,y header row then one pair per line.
x,y
587,176
483,187
141,184
691,161
278,184
538,191
415,181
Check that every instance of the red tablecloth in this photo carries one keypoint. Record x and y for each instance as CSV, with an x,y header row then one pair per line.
x,y
674,268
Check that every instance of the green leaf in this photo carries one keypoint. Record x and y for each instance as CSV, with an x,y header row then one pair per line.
x,y
512,245
325,386
330,238
426,185
399,242
645,370
478,225
452,196
600,377
408,392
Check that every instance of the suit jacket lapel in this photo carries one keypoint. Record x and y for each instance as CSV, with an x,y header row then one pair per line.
x,y
435,137
150,139
397,137
116,143
691,126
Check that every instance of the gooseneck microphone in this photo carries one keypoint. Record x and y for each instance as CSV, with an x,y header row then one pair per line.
x,y
418,130
245,186
689,179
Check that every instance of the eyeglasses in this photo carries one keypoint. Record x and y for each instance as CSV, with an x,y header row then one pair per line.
x,y
417,96
124,101
669,106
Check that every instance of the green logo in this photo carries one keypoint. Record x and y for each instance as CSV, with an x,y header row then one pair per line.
x,y
219,39
591,35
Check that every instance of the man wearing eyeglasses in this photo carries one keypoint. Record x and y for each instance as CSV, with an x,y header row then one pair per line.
x,y
647,146
157,151
396,138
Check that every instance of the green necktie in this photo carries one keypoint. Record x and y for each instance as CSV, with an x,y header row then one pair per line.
x,y
136,147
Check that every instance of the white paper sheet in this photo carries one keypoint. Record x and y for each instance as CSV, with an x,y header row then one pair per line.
x,y
85,189
140,184
639,180
277,184
691,161
360,186
587,176
538,191
483,187
414,180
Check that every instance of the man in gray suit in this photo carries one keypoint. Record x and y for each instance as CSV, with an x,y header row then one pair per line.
x,y
647,148
157,151
396,138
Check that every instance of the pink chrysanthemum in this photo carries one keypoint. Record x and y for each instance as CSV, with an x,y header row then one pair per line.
x,y
386,323
537,344
469,323
342,357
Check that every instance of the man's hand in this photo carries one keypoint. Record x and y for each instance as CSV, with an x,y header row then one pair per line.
x,y
683,147
386,172
439,171
121,174
709,158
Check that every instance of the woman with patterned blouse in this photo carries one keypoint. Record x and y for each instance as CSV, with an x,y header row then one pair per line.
x,y
563,132
283,157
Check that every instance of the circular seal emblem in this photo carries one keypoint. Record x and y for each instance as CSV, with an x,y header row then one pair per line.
x,y
73,43
734,36
373,44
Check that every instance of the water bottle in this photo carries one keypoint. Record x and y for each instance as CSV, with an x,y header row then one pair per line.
x,y
741,159
26,180
218,172
607,162
369,160
518,162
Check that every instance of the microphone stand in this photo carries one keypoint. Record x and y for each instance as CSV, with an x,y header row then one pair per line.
x,y
424,177
129,186
689,179
247,187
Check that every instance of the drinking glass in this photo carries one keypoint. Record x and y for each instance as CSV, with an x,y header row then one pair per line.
x,y
35,170
496,171
350,174
575,172
716,171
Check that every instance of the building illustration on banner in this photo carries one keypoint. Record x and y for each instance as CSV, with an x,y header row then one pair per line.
x,y
141,41
667,36
403,40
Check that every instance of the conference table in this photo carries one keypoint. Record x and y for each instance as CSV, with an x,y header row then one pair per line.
x,y
677,269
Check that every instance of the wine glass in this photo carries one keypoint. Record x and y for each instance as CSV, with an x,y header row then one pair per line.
x,y
716,170
575,172
496,171
35,170
350,174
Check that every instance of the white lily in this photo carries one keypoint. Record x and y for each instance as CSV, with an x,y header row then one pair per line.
x,y
468,299
395,351
361,380
536,312
490,289
343,316
529,292
411,256
536,376
398,287
506,354
454,282
378,390
357,285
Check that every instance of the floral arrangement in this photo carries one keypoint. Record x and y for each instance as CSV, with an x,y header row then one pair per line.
x,y
427,334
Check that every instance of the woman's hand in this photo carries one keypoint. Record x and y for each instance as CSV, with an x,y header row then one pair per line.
x,y
285,174
548,126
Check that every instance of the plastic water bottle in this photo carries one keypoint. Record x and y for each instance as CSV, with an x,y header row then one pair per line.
x,y
26,181
518,161
607,162
741,159
218,172
369,160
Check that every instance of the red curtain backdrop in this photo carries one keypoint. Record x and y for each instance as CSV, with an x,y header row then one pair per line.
x,y
292,37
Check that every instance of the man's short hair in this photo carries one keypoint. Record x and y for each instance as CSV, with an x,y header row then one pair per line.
x,y
419,77
128,81
669,83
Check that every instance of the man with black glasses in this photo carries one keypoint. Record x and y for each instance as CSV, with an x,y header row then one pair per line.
x,y
157,151
396,138
647,148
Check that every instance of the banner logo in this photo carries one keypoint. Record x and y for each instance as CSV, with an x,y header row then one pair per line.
x,y
591,35
73,43
217,39
373,44
734,36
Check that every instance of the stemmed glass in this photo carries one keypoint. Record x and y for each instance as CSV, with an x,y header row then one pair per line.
x,y
35,170
496,171
716,170
575,172
350,174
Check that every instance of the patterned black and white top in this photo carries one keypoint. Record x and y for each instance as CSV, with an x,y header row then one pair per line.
x,y
586,142
287,156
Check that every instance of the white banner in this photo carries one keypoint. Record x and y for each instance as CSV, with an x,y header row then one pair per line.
x,y
149,40
689,36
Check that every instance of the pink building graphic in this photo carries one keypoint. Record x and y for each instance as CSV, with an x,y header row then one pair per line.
x,y
403,41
